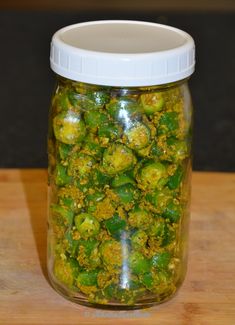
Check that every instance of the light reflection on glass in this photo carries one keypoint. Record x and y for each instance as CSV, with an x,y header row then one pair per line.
x,y
125,273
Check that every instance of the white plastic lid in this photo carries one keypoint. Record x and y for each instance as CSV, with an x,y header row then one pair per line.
x,y
122,53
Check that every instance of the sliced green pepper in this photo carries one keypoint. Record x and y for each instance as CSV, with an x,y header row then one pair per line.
x,y
161,260
168,123
87,225
152,103
138,136
91,146
173,211
159,199
140,218
61,176
62,214
139,264
94,119
66,271
92,199
80,165
99,178
85,279
68,127
175,180
61,99
115,226
88,254
127,193
122,179
118,158
109,130
178,149
139,239
98,97
71,197
124,110
152,175
64,150
111,253
72,244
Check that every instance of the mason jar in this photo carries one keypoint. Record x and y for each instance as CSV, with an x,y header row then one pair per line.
x,y
119,148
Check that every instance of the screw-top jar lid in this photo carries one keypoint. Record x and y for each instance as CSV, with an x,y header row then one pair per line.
x,y
122,53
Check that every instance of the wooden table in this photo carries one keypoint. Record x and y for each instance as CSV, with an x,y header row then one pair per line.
x,y
206,297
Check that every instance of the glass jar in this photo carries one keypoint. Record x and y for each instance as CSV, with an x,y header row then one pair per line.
x,y
119,151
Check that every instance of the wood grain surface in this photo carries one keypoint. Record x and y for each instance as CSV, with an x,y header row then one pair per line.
x,y
206,297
